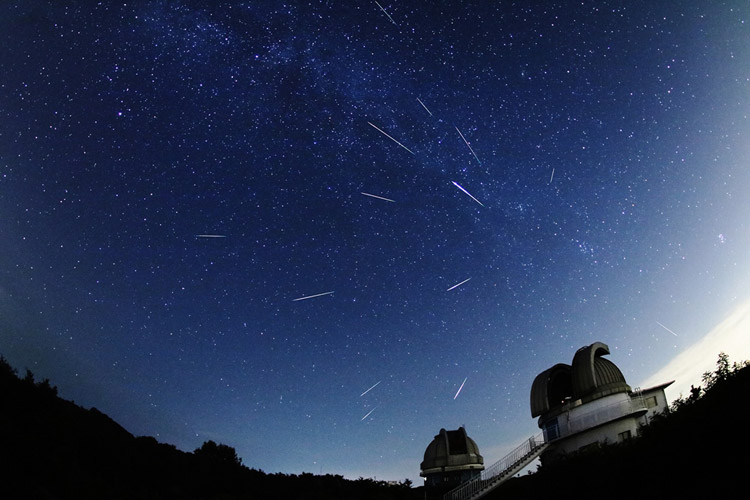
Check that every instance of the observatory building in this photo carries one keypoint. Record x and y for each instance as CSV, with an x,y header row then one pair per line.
x,y
452,458
589,403
585,404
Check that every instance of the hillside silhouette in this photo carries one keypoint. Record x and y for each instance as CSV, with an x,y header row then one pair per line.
x,y
51,448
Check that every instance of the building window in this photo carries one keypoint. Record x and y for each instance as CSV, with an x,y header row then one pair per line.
x,y
623,436
553,431
651,402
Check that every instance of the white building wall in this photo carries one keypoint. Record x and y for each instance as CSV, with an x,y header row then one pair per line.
x,y
606,434
656,402
580,411
606,420
578,417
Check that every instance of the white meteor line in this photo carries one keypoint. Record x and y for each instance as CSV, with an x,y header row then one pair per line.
x,y
459,389
425,107
384,12
312,296
458,285
368,414
552,176
667,329
391,138
371,388
465,191
469,145
378,197
210,236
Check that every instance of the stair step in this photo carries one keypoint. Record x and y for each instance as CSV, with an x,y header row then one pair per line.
x,y
484,486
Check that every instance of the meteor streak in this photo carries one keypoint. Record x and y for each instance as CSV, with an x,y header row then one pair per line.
x,y
368,414
469,145
458,284
312,296
465,191
391,138
384,12
552,176
210,236
371,388
667,329
425,107
378,197
459,389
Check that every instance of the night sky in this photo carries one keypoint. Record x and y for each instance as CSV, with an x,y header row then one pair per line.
x,y
174,174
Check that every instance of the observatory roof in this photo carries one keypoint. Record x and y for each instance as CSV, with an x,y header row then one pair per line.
x,y
594,376
589,377
452,450
550,388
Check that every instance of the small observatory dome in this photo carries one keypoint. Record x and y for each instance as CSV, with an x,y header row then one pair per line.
x,y
450,459
451,450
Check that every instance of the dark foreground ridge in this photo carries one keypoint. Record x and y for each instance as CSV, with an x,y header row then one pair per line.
x,y
697,450
51,448
54,449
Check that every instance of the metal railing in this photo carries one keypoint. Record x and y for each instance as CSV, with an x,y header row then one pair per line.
x,y
601,415
497,470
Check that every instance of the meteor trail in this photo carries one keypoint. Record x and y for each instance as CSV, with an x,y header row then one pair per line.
x,y
378,197
312,296
458,284
552,176
667,329
469,145
391,138
425,107
459,389
384,12
210,236
368,414
465,191
371,388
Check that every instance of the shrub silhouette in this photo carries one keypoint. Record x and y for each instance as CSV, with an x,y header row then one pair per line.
x,y
220,454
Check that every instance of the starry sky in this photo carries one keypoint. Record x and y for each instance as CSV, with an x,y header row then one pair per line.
x,y
246,221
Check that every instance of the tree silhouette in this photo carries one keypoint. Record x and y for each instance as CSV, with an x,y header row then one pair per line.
x,y
6,370
218,454
85,454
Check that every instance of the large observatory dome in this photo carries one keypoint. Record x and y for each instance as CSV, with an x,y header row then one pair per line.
x,y
590,377
593,376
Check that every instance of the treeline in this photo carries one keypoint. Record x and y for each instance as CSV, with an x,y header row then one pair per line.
x,y
695,449
51,448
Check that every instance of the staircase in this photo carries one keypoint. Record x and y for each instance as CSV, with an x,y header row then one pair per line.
x,y
499,472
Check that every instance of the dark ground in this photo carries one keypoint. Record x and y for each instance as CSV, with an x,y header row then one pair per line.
x,y
53,449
